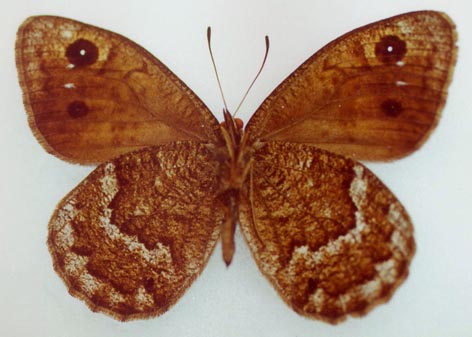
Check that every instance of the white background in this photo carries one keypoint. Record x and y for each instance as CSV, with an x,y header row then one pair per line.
x,y
434,183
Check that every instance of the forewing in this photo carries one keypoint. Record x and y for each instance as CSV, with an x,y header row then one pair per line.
x,y
131,238
92,94
329,236
375,93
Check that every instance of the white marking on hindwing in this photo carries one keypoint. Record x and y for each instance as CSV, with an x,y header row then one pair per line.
x,y
115,297
402,230
319,298
143,298
74,263
387,271
395,216
62,234
160,255
61,225
357,191
89,284
109,183
358,186
36,35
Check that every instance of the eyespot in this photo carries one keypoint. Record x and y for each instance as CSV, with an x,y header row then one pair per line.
x,y
82,53
77,109
149,284
391,107
390,49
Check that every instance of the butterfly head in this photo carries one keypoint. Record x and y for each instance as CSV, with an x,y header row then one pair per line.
x,y
231,127
231,122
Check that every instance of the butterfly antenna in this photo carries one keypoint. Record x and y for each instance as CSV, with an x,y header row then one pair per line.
x,y
257,75
214,67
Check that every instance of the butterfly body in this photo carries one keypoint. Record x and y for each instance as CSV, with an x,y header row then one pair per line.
x,y
329,235
234,167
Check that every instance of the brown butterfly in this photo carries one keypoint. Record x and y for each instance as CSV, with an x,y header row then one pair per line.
x,y
324,230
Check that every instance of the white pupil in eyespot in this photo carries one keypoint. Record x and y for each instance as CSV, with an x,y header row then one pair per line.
x,y
390,49
82,52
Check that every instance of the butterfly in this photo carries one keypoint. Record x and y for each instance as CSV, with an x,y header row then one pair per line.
x,y
323,229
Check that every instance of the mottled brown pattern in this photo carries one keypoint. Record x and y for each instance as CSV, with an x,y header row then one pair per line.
x,y
334,99
134,234
329,236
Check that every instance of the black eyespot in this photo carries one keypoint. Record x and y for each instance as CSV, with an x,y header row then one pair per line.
x,y
82,53
149,285
391,107
77,109
390,49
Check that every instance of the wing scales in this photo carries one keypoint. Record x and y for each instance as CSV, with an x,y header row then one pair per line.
x,y
328,235
92,95
375,93
132,237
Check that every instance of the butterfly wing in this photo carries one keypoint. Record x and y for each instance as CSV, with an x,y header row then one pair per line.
x,y
330,237
131,238
375,93
92,94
